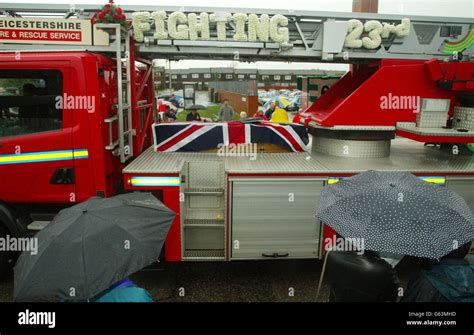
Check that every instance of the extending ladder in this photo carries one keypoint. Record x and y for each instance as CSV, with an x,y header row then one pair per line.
x,y
123,145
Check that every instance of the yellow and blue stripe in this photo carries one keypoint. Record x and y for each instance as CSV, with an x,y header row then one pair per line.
x,y
43,156
440,180
333,180
154,181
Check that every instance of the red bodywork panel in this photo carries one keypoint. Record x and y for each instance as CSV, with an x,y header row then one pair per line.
x,y
170,196
434,139
356,99
30,182
83,74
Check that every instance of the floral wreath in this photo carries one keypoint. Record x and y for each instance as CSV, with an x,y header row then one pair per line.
x,y
110,13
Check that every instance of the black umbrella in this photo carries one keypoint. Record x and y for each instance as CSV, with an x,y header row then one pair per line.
x,y
195,107
90,246
397,212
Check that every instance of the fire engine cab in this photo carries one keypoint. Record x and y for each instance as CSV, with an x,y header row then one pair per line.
x,y
77,119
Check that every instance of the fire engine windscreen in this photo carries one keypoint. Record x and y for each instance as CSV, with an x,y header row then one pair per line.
x,y
27,101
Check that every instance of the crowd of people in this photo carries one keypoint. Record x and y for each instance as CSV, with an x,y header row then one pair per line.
x,y
374,277
274,113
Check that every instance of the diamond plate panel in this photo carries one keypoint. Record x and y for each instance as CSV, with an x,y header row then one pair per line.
x,y
351,148
405,155
463,118
206,174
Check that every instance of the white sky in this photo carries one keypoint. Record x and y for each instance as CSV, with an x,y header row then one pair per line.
x,y
460,8
445,8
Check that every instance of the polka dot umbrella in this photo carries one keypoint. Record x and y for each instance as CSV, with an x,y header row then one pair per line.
x,y
396,212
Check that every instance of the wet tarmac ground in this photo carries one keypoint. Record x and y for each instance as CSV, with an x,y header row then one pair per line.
x,y
237,281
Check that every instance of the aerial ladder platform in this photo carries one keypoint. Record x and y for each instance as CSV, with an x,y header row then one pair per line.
x,y
411,76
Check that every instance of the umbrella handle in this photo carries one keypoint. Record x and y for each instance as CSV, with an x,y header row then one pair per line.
x,y
321,277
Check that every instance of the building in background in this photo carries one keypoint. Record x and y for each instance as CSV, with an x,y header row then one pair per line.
x,y
312,87
265,78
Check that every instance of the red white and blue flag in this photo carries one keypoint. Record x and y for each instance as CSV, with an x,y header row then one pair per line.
x,y
198,136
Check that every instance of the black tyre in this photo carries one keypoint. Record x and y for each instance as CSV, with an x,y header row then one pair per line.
x,y
7,223
6,257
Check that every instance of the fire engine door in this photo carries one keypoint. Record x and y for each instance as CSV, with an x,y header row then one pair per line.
x,y
36,152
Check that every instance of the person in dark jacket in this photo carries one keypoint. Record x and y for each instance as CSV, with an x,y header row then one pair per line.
x,y
170,114
193,116
361,278
449,280
270,110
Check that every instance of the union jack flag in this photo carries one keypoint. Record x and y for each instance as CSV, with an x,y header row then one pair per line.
x,y
197,136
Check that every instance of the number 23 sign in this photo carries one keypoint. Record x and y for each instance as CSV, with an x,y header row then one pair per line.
x,y
375,31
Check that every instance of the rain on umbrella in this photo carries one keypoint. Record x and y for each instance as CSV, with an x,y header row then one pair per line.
x,y
396,212
91,246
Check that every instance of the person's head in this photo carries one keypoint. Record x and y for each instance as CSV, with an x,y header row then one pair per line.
x,y
260,111
194,111
243,115
172,96
272,105
28,89
225,102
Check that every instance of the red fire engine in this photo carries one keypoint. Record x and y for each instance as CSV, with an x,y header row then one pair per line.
x,y
77,113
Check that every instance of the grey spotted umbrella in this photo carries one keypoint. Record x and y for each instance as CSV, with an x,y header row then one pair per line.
x,y
396,212
91,246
